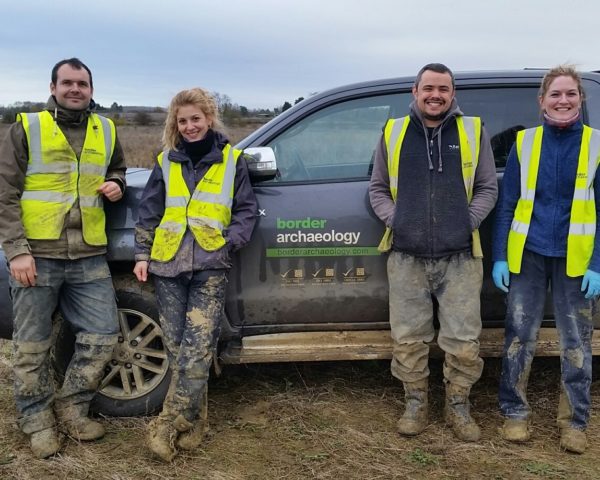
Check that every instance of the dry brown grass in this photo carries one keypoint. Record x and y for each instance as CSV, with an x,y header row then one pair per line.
x,y
142,144
323,421
3,129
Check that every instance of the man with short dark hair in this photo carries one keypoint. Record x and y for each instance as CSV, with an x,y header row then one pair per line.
x,y
56,166
433,183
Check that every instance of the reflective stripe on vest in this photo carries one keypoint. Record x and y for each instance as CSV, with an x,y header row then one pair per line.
x,y
207,211
582,227
469,133
55,179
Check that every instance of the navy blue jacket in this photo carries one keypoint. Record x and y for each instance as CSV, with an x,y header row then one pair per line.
x,y
555,185
190,256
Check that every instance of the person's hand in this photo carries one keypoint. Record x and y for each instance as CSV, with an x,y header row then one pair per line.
x,y
591,284
141,270
22,269
111,190
501,275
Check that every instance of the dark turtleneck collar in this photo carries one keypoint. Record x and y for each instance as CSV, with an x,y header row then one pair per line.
x,y
200,148
66,116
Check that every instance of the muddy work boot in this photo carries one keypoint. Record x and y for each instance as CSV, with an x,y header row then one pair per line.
x,y
192,439
457,413
41,430
78,426
161,439
414,419
44,443
515,430
573,440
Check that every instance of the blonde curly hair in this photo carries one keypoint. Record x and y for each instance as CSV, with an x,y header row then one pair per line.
x,y
197,97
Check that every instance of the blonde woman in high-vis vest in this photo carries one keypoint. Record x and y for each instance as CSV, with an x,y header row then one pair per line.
x,y
545,234
197,208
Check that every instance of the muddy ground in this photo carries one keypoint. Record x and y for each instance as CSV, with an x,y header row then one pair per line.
x,y
318,420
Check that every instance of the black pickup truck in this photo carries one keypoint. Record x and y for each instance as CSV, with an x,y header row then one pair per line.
x,y
311,284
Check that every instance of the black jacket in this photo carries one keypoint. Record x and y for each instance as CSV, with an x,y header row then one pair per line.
x,y
190,256
431,217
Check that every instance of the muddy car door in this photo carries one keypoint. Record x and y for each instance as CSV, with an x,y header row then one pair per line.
x,y
313,258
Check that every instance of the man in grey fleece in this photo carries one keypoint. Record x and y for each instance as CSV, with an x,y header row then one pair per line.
x,y
433,183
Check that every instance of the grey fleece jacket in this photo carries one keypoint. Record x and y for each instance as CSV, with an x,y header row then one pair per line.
x,y
13,169
431,196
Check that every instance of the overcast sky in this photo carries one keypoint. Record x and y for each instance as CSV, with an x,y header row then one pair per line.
x,y
263,52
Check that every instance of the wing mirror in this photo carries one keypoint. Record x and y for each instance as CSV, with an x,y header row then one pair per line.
x,y
261,163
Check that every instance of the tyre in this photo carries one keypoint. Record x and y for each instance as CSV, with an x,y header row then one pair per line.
x,y
137,378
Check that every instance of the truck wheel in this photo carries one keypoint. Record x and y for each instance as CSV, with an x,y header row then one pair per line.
x,y
137,378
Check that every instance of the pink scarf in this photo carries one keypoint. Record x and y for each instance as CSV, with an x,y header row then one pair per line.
x,y
561,123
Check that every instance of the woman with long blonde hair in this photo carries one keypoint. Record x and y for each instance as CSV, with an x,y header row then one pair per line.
x,y
198,207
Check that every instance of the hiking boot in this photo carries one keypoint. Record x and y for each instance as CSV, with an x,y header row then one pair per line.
x,y
457,413
161,439
565,412
414,419
192,439
77,426
573,440
193,435
44,443
515,430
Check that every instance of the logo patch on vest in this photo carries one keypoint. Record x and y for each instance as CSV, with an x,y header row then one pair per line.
x,y
210,181
453,147
91,151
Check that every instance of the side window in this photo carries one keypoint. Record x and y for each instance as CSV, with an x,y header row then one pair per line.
x,y
337,142
504,112
591,103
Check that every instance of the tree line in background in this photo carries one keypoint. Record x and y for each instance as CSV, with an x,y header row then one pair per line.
x,y
231,113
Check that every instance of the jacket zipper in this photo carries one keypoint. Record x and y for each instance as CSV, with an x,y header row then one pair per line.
x,y
431,181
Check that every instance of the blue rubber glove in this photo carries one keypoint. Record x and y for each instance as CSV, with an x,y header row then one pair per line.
x,y
591,283
501,275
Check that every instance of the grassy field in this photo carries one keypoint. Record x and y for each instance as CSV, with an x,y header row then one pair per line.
x,y
142,144
311,421
321,421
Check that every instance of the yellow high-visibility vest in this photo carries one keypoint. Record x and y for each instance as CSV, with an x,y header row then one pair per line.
x,y
469,133
582,226
55,178
206,212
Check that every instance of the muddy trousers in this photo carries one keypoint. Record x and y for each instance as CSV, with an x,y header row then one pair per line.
x,y
190,308
573,316
83,291
455,281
